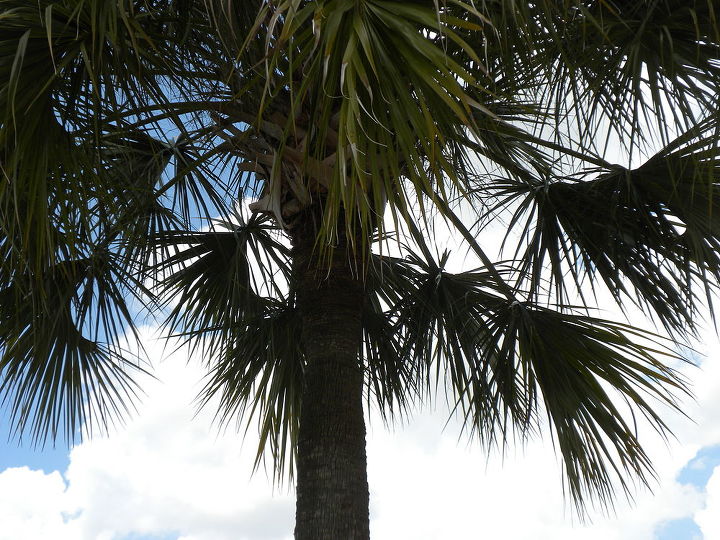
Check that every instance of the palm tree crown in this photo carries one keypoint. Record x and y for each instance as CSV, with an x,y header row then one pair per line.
x,y
132,132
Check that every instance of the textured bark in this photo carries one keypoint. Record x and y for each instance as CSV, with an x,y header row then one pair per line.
x,y
332,488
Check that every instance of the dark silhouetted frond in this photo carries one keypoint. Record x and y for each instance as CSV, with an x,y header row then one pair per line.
x,y
651,232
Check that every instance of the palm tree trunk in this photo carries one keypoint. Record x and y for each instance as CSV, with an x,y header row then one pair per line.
x,y
332,487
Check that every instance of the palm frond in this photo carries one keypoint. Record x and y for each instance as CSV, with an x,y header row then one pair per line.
x,y
504,363
578,366
214,277
225,288
64,372
257,376
369,123
392,378
643,68
649,232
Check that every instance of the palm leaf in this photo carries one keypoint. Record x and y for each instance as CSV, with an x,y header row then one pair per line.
x,y
639,68
578,366
64,373
225,289
650,231
504,363
257,376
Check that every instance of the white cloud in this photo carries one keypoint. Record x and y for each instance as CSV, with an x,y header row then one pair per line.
x,y
451,490
709,517
32,505
163,472
169,472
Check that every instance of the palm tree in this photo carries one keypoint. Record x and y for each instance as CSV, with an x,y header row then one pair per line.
x,y
132,132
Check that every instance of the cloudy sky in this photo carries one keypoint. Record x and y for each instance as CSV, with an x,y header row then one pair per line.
x,y
170,475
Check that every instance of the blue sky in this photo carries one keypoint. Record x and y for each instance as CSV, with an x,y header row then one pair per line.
x,y
13,454
698,470
678,529
696,473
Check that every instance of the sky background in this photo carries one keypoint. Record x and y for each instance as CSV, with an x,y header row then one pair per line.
x,y
170,474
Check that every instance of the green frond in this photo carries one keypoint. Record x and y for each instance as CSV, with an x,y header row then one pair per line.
x,y
644,69
392,378
578,367
64,372
650,232
90,95
257,377
377,115
505,363
215,278
225,289
441,325
655,60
